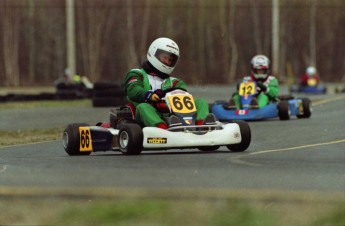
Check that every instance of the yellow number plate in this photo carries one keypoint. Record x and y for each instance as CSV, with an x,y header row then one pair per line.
x,y
182,104
312,82
247,88
85,139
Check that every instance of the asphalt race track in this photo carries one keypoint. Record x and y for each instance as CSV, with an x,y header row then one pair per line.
x,y
295,155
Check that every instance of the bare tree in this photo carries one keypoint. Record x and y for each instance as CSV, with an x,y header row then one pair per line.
x,y
95,23
312,29
132,56
223,22
32,41
232,42
201,40
145,30
256,26
112,36
10,22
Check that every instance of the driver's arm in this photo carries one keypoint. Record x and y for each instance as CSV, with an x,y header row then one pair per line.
x,y
134,87
273,88
178,83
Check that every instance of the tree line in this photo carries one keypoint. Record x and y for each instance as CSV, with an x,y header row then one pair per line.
x,y
217,38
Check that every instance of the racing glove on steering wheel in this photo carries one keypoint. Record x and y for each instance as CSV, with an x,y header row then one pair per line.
x,y
262,87
162,107
153,96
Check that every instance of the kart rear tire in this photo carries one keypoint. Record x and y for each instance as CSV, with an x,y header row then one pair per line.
x,y
306,108
286,97
71,140
130,139
246,137
210,107
283,110
208,148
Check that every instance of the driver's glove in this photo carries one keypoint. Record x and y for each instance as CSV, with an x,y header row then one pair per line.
x,y
262,86
153,96
162,107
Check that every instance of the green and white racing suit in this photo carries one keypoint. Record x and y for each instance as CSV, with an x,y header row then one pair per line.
x,y
138,82
263,98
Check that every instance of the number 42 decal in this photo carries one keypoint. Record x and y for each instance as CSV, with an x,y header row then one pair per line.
x,y
85,139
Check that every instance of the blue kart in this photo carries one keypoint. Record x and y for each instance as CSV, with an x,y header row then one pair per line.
x,y
283,107
312,87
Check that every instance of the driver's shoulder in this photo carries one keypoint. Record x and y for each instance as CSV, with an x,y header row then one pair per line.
x,y
138,73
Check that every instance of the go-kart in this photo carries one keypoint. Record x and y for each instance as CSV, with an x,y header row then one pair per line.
x,y
283,107
128,137
312,87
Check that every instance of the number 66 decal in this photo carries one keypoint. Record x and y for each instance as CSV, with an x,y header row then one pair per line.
x,y
182,103
85,139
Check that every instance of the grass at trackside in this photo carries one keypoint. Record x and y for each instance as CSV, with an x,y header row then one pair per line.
x,y
148,210
169,211
29,136
35,135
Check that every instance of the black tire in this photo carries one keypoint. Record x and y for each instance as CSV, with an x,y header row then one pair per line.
x,y
306,105
108,101
130,139
208,148
46,96
3,98
66,94
283,110
109,92
210,107
285,97
246,135
101,85
71,140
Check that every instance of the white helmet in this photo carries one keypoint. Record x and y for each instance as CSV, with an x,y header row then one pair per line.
x,y
311,71
162,46
262,63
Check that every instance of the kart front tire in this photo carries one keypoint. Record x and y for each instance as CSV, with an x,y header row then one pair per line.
x,y
71,140
306,104
130,139
283,110
246,137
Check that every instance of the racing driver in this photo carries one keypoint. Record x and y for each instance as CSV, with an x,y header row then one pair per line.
x,y
267,85
144,87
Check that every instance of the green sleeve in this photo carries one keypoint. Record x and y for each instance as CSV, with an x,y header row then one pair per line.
x,y
178,83
134,86
237,87
273,88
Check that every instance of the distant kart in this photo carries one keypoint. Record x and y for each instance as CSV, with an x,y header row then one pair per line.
x,y
283,107
128,137
312,88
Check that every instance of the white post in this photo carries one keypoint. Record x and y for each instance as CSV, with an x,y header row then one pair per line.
x,y
70,36
275,38
312,29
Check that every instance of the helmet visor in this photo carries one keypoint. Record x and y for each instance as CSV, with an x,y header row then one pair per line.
x,y
167,58
260,73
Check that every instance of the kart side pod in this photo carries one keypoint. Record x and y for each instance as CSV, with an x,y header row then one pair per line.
x,y
131,139
82,139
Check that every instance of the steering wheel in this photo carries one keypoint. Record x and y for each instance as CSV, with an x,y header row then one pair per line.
x,y
172,89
